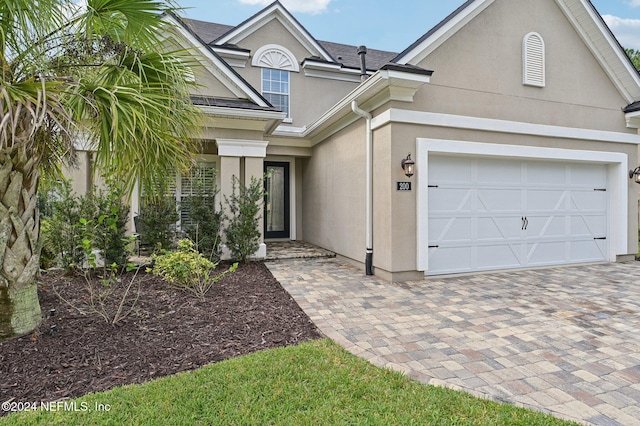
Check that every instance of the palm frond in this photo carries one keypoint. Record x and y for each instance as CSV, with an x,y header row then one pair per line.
x,y
24,108
127,21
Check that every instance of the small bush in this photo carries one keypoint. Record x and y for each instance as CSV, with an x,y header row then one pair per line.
x,y
63,230
242,230
111,216
188,269
59,233
157,220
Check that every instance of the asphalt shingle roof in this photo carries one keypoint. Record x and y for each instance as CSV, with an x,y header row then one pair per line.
x,y
343,53
633,107
215,101
348,55
207,31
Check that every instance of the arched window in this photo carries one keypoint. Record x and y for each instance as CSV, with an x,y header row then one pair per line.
x,y
276,63
533,60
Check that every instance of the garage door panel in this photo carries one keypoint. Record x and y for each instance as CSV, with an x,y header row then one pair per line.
x,y
500,213
450,200
589,201
450,259
545,200
496,171
499,228
595,226
450,229
546,253
451,170
546,227
499,200
587,251
546,174
588,175
498,256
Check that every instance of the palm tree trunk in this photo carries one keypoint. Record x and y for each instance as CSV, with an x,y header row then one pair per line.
x,y
19,251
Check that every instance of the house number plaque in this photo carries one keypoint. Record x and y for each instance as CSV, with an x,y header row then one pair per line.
x,y
403,186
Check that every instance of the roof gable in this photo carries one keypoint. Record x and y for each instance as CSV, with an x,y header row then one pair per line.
x,y
218,67
583,16
275,11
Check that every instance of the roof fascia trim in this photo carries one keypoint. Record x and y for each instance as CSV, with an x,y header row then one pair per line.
x,y
275,11
441,33
615,62
238,86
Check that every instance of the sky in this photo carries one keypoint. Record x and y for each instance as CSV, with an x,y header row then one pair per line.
x,y
386,25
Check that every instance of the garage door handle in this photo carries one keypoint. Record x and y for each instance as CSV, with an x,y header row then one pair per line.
x,y
434,246
600,238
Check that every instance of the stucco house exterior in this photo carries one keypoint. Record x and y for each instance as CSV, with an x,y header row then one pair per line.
x,y
521,116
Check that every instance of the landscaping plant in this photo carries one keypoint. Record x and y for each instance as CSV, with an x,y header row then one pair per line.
x,y
103,74
112,214
242,218
188,269
62,234
157,222
59,236
109,296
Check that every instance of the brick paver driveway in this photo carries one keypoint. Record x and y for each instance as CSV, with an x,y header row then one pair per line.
x,y
560,340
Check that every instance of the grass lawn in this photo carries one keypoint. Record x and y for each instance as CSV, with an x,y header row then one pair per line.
x,y
315,383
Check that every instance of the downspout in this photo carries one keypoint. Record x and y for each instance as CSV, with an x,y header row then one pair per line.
x,y
369,191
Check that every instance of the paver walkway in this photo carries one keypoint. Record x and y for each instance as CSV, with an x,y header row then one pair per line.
x,y
561,340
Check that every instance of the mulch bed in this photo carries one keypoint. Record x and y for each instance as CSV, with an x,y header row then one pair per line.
x,y
169,330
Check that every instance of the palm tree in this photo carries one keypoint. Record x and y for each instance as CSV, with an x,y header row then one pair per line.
x,y
101,74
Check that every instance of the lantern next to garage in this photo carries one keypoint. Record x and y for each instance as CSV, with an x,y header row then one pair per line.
x,y
408,165
635,175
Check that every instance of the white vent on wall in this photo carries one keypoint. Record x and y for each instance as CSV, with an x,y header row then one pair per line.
x,y
533,59
275,57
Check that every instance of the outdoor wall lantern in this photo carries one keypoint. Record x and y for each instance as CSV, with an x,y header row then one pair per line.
x,y
409,166
635,175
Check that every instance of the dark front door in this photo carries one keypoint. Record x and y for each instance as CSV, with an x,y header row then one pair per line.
x,y
276,203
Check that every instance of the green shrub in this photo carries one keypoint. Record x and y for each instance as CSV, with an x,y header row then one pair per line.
x,y
65,216
157,222
48,256
59,233
110,215
242,230
188,269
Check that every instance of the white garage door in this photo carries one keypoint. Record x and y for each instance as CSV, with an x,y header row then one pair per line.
x,y
488,213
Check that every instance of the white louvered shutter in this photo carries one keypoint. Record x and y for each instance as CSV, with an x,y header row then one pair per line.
x,y
533,52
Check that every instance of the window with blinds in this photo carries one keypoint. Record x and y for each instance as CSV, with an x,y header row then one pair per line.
x,y
533,58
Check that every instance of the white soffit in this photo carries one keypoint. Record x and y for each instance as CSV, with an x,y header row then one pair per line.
x,y
604,46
